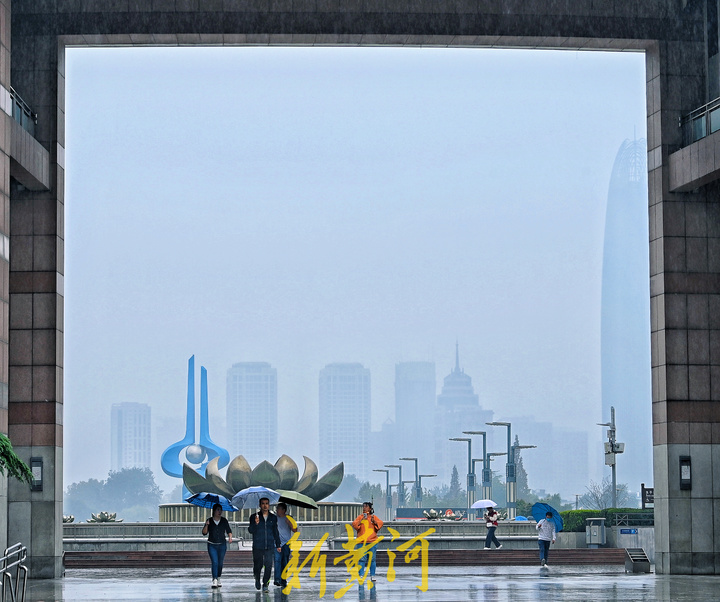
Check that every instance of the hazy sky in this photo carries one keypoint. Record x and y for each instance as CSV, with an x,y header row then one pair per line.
x,y
304,206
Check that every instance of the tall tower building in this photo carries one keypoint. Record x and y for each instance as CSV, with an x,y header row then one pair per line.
x,y
458,410
625,315
130,435
345,417
415,396
252,411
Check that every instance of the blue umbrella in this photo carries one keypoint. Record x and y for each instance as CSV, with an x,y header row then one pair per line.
x,y
520,518
250,496
539,510
208,500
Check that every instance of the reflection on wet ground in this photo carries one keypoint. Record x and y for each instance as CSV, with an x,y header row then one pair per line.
x,y
572,583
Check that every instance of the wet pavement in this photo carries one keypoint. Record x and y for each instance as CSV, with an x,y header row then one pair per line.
x,y
573,583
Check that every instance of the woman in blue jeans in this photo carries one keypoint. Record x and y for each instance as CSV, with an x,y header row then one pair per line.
x,y
215,528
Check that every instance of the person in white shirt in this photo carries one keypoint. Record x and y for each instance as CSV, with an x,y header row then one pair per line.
x,y
546,534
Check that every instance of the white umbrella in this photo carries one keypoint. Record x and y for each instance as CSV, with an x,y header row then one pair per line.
x,y
250,497
478,504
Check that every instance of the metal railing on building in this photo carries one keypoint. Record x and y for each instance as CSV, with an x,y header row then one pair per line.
x,y
14,573
634,519
701,122
22,113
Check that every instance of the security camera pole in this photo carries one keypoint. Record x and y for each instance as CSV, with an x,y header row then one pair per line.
x,y
612,447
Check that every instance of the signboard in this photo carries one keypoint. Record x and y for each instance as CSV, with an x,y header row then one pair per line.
x,y
628,531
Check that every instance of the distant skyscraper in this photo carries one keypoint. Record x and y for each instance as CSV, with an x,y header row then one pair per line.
x,y
458,410
345,418
415,396
625,315
252,411
130,435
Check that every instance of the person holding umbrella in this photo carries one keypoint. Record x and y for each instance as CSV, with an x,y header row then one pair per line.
x,y
263,527
546,534
491,522
215,528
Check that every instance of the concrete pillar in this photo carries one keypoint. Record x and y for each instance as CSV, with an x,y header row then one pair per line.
x,y
4,238
685,314
36,312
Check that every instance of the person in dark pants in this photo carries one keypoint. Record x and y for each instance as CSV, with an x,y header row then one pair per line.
x,y
263,527
491,521
546,534
215,528
286,527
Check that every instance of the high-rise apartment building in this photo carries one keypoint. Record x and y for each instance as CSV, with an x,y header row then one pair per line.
x,y
252,411
130,435
344,395
415,395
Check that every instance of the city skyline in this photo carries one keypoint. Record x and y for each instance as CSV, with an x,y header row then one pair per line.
x,y
374,216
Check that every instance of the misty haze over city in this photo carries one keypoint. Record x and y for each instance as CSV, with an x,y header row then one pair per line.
x,y
309,206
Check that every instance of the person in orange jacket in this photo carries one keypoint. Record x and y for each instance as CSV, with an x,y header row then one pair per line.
x,y
367,525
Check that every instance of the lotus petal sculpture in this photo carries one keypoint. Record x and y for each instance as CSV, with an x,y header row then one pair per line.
x,y
283,475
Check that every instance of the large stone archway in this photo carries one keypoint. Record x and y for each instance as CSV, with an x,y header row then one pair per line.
x,y
683,211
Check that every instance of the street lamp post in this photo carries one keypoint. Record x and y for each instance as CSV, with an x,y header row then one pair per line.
x,y
486,479
612,447
517,447
470,475
416,487
388,495
489,458
510,481
420,478
400,486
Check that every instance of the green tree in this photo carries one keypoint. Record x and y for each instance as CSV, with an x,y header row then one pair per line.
x,y
174,496
599,495
521,478
83,498
456,494
369,492
348,490
131,493
132,487
11,463
498,490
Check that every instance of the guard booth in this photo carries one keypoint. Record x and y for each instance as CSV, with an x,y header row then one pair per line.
x,y
595,532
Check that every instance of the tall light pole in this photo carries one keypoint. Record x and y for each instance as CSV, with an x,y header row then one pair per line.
x,y
612,447
470,475
510,481
517,447
416,487
420,478
489,458
400,486
486,479
388,495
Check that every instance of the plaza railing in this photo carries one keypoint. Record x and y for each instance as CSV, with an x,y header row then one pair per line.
x,y
14,573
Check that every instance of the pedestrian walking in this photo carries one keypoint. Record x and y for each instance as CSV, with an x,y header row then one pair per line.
x,y
286,527
263,527
215,528
491,522
546,534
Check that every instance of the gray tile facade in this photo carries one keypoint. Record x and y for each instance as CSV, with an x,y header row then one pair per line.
x,y
684,214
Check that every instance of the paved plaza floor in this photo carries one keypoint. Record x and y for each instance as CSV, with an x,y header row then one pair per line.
x,y
572,583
